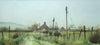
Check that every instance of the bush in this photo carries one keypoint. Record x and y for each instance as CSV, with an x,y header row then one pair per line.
x,y
15,36
95,38
58,41
57,34
50,33
46,31
6,42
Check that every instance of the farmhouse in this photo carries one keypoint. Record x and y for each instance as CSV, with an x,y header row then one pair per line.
x,y
62,28
44,26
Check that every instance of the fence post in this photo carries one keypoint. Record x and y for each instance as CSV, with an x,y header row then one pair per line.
x,y
9,32
64,37
91,30
2,36
80,34
84,32
74,35
69,35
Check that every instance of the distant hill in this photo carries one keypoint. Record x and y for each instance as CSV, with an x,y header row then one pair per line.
x,y
11,24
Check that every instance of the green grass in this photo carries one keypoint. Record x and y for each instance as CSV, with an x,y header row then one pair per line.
x,y
37,38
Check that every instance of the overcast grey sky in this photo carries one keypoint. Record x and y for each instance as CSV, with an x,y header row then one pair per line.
x,y
80,12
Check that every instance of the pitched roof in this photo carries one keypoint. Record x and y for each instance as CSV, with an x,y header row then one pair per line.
x,y
62,28
44,26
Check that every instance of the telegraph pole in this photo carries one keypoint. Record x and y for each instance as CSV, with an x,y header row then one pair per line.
x,y
66,22
53,22
66,19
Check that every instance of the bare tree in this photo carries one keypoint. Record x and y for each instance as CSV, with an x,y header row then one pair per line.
x,y
3,29
34,27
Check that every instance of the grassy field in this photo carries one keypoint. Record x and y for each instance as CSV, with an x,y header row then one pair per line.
x,y
45,38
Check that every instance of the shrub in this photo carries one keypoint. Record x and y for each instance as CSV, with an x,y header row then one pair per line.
x,y
95,38
57,34
46,31
15,36
50,33
58,41
6,42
